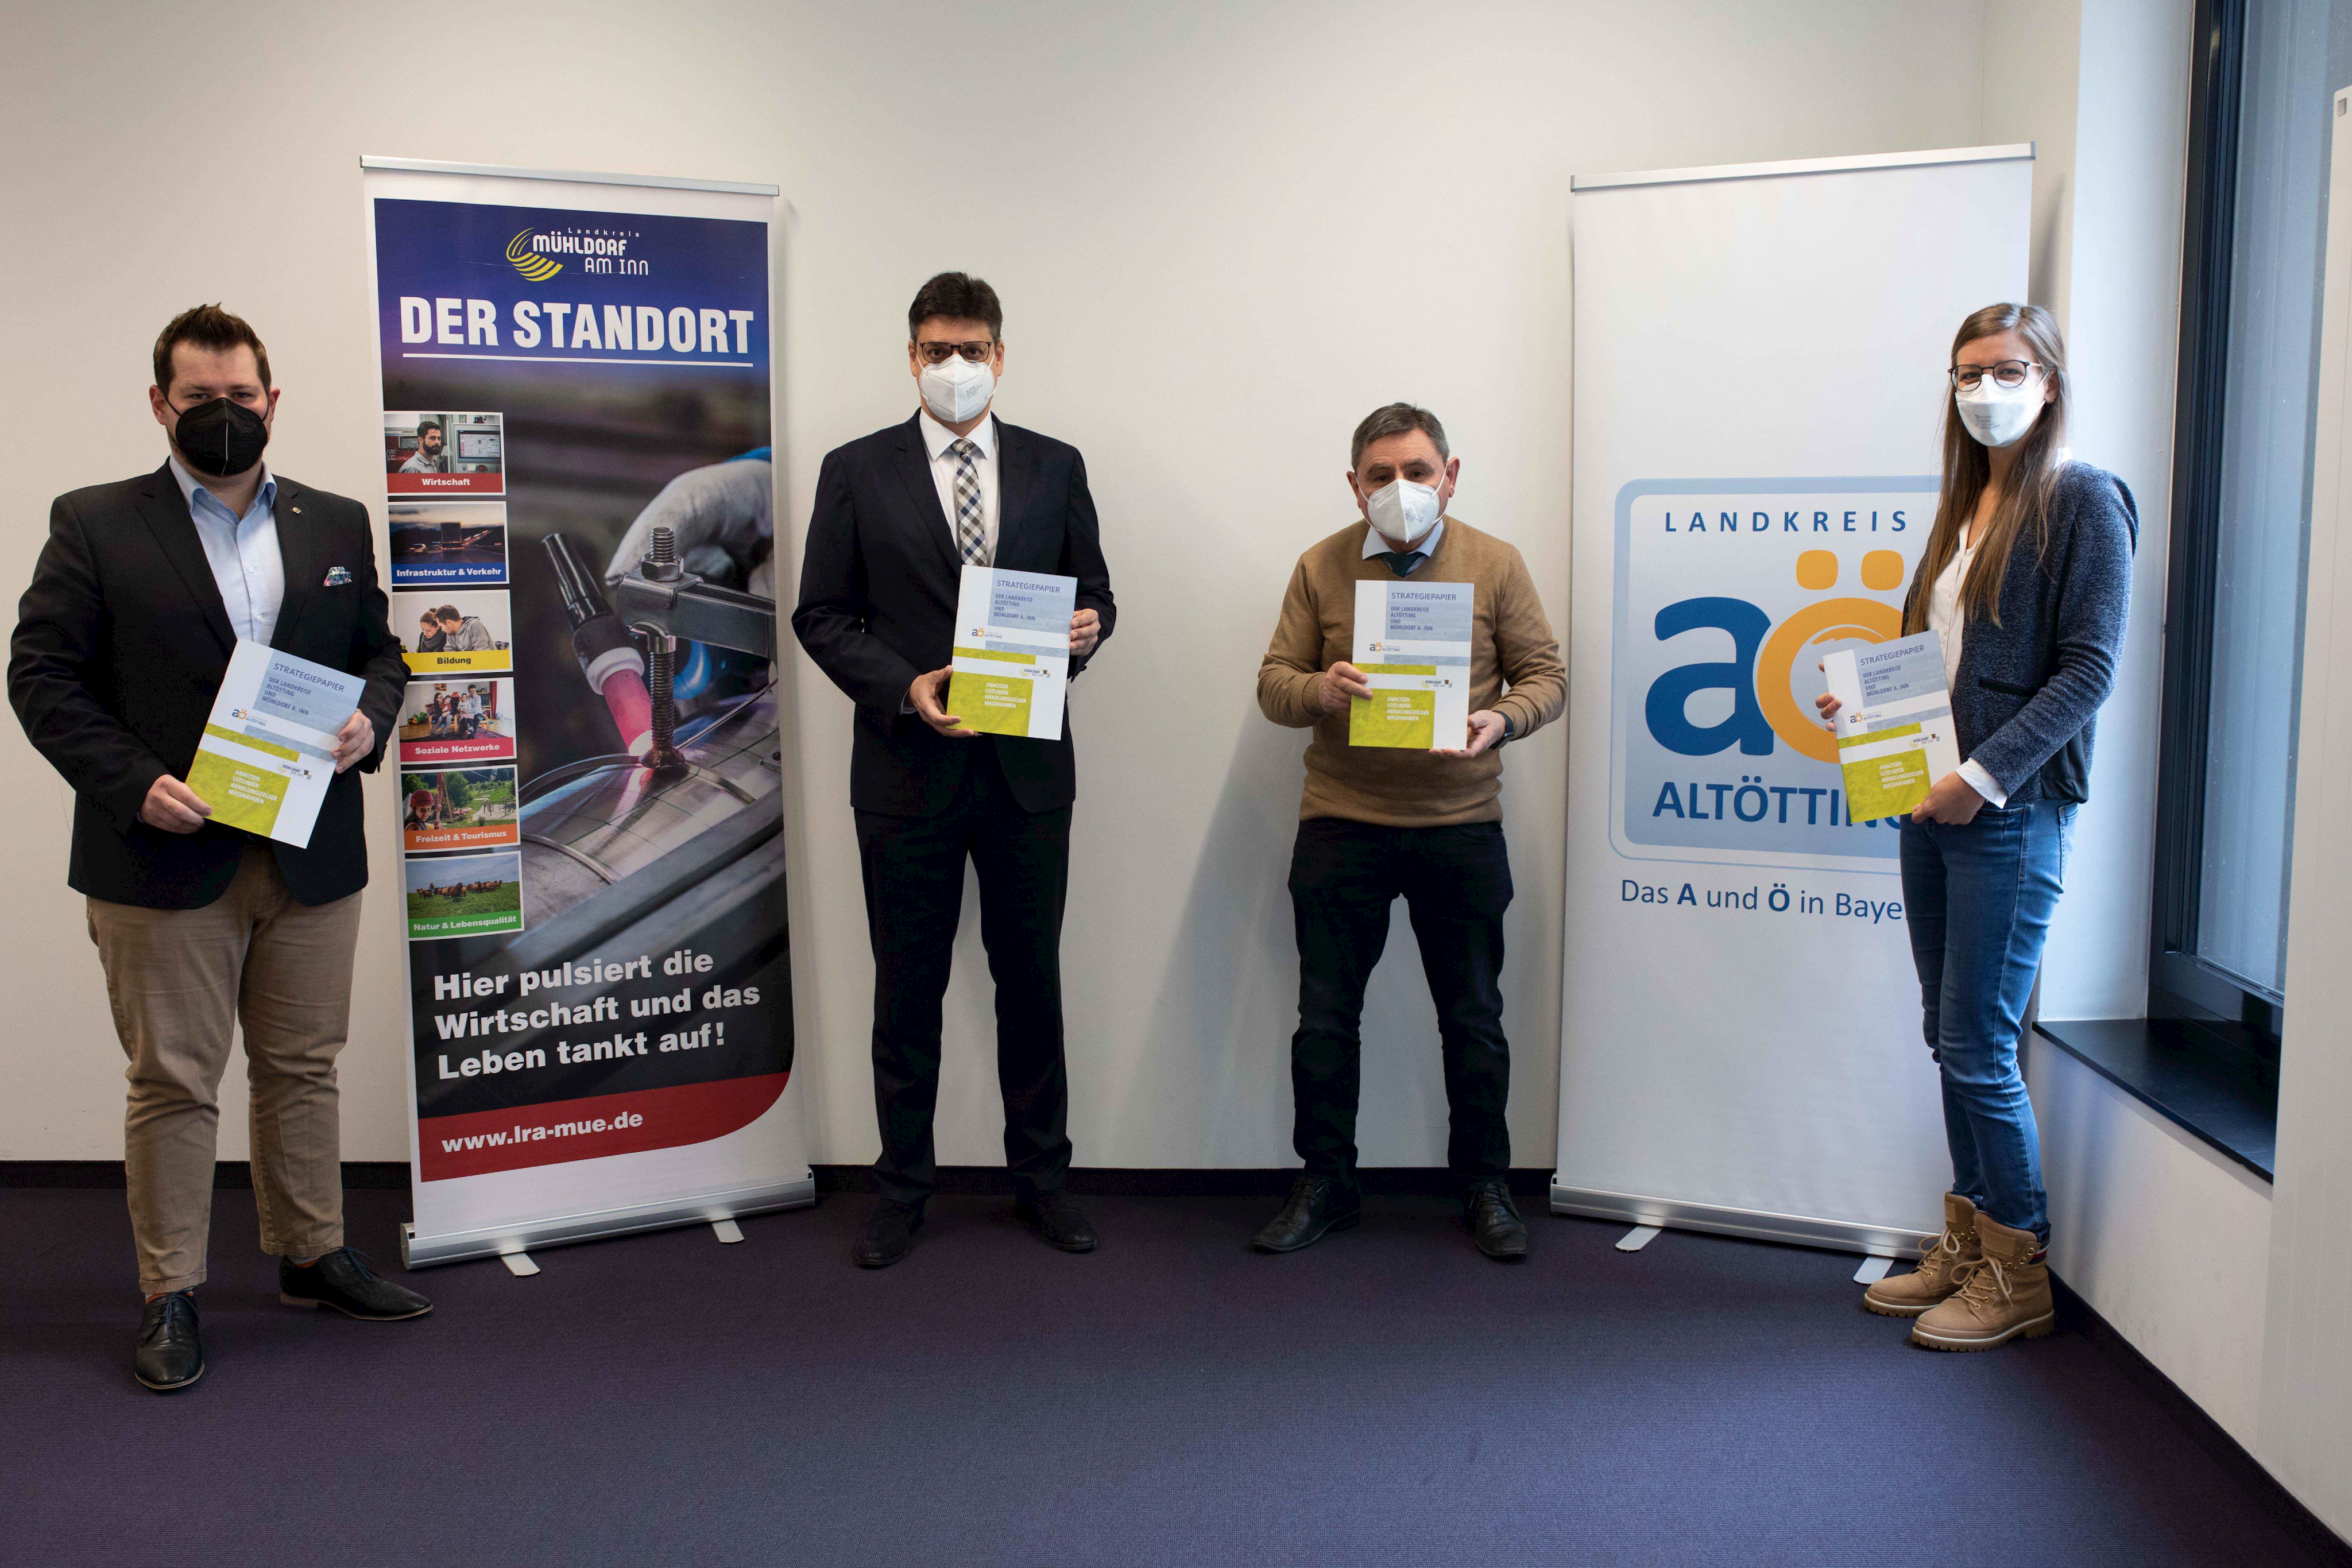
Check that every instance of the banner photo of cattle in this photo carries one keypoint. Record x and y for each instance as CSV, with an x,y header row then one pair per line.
x,y
458,809
447,544
464,896
454,629
437,453
458,720
638,629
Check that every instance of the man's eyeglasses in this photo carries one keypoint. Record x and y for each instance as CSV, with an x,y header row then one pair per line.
x,y
937,353
2009,374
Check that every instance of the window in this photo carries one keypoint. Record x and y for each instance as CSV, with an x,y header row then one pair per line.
x,y
2260,128
2251,293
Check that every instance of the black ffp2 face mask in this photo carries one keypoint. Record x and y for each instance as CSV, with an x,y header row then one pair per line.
x,y
220,438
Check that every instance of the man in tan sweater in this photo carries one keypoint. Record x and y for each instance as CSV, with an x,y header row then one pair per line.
x,y
1379,822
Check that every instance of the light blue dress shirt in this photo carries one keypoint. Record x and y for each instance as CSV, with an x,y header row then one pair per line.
x,y
243,553
1427,544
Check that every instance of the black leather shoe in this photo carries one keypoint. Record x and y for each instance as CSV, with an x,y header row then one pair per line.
x,y
347,1282
1495,1222
888,1234
169,1357
1317,1204
1055,1217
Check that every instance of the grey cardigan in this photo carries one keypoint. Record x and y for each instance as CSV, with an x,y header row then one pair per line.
x,y
2026,699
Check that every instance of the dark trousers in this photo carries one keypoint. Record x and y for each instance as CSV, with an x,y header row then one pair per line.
x,y
1457,883
914,895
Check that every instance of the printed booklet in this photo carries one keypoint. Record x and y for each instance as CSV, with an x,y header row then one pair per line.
x,y
1894,728
269,750
1011,655
1412,643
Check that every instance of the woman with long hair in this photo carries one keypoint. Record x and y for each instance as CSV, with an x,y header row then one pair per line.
x,y
2026,578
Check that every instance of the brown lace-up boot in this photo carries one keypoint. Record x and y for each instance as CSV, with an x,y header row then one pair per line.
x,y
2005,1293
1941,1259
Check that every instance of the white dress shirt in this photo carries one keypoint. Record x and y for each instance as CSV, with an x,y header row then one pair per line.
x,y
1945,620
243,553
936,439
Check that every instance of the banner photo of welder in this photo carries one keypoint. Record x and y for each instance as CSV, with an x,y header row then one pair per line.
x,y
603,1040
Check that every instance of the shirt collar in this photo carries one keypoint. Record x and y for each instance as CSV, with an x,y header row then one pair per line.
x,y
937,437
190,486
1374,544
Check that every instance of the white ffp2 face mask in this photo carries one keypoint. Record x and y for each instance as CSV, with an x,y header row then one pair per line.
x,y
956,390
1997,415
1402,510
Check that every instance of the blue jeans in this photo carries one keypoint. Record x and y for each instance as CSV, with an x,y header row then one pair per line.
x,y
1978,901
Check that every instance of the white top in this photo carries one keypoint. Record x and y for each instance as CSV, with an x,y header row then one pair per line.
x,y
1945,620
242,551
936,439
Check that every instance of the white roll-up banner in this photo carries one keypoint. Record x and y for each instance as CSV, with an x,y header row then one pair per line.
x,y
591,775
1760,378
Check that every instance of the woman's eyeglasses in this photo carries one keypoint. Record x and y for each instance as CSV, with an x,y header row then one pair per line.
x,y
2009,374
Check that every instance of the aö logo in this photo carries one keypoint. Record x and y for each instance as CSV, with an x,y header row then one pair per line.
x,y
1762,674
537,267
1727,594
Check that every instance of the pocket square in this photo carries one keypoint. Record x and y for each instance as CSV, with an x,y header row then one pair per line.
x,y
336,577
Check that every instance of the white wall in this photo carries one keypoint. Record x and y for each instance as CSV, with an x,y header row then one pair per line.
x,y
2168,1239
1223,233
2306,1411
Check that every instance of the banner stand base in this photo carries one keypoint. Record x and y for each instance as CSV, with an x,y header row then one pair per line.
x,y
1670,1214
715,1209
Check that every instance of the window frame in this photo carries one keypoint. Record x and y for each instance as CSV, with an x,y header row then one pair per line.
x,y
2216,1011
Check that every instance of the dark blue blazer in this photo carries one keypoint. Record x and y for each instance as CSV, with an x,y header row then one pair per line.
x,y
121,644
2026,700
879,577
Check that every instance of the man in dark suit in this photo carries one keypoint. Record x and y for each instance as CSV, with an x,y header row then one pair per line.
x,y
898,514
140,595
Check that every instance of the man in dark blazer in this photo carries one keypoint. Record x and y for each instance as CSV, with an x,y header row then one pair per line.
x,y
898,514
140,594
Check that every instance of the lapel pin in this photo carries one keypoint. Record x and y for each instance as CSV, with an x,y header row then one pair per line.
x,y
337,577
296,511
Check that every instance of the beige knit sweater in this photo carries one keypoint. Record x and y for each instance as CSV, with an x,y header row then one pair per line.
x,y
1511,640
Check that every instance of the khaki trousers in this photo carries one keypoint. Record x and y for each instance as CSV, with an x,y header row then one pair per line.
x,y
179,979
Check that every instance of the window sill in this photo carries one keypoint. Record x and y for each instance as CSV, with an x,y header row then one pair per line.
x,y
2228,1103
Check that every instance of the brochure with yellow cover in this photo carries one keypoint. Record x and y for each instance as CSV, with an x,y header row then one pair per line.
x,y
1894,724
1412,643
1011,653
268,749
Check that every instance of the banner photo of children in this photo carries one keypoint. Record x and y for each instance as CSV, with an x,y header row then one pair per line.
x,y
458,809
465,629
437,453
448,544
464,896
458,720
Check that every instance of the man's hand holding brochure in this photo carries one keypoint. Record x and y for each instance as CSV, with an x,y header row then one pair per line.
x,y
1412,650
281,728
1011,664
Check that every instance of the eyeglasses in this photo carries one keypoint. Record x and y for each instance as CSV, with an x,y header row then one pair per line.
x,y
2008,374
937,353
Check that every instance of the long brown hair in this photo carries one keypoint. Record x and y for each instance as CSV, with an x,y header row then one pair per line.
x,y
1967,469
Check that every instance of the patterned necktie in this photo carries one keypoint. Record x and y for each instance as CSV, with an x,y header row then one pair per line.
x,y
972,541
1402,561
